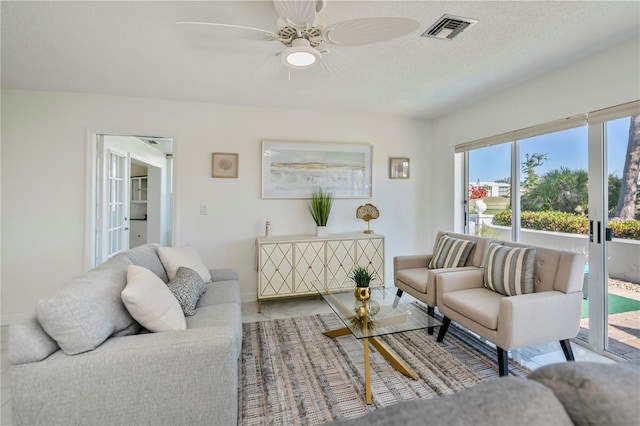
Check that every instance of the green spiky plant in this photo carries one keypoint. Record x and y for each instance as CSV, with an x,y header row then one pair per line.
x,y
362,276
320,206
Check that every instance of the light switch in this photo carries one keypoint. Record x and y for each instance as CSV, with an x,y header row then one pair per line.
x,y
203,210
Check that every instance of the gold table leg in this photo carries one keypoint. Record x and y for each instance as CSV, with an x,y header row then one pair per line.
x,y
337,332
367,375
394,360
386,352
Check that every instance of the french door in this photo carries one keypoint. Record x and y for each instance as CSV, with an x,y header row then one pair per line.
x,y
113,202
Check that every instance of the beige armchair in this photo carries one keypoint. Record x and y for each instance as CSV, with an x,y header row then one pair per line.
x,y
551,313
412,274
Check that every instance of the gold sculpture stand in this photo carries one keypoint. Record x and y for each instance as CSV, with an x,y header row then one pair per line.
x,y
386,352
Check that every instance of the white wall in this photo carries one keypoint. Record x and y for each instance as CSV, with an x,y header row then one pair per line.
x,y
43,172
610,77
43,176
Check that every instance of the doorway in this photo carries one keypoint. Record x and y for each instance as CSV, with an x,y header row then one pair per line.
x,y
130,195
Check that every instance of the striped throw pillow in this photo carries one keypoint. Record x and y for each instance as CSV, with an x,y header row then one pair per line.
x,y
510,270
451,252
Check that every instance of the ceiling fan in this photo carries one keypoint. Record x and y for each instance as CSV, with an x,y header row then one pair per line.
x,y
299,28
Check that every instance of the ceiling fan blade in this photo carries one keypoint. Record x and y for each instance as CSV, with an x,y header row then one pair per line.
x,y
336,63
231,30
300,13
269,67
356,32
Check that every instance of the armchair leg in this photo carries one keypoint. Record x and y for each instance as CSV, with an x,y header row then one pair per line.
x,y
397,299
503,362
566,348
443,329
430,312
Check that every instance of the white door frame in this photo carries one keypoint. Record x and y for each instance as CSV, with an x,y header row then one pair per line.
x,y
91,180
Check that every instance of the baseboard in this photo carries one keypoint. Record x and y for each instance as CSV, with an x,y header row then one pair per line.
x,y
8,319
249,297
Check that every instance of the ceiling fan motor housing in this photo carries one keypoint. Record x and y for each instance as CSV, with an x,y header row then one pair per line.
x,y
288,33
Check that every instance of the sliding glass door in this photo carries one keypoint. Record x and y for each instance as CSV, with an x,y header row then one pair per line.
x,y
570,186
614,307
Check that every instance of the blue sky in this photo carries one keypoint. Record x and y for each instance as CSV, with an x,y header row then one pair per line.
x,y
564,149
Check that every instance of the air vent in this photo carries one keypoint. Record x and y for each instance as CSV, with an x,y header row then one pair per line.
x,y
448,26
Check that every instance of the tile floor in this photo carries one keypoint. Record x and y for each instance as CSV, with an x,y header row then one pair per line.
x,y
533,357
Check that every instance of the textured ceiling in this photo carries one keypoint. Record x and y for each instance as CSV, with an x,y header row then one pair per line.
x,y
136,49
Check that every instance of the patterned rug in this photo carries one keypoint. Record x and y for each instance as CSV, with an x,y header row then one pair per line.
x,y
291,374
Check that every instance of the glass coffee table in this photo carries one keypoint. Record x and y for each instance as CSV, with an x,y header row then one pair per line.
x,y
382,313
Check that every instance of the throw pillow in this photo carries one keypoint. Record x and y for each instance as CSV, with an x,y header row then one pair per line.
x,y
150,302
451,253
174,257
510,270
88,309
187,287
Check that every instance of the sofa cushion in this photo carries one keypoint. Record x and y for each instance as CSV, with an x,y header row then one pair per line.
x,y
150,301
174,257
480,304
226,316
88,309
187,287
221,292
595,393
509,270
147,256
451,252
29,343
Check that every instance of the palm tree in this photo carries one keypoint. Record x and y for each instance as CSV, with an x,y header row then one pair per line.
x,y
625,210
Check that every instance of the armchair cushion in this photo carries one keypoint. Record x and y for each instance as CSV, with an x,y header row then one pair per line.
x,y
478,304
451,252
416,278
510,270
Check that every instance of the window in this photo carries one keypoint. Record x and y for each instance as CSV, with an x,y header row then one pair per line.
x,y
564,182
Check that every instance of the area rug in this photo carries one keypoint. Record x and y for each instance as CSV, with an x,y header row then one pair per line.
x,y
291,374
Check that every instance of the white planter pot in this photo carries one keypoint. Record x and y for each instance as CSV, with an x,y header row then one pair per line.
x,y
321,231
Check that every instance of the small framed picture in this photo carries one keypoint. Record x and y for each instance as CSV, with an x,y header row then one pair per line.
x,y
224,165
399,168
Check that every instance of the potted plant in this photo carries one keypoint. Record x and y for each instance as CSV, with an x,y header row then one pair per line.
x,y
320,207
362,277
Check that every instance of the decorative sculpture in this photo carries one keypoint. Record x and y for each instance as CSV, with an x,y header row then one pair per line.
x,y
366,213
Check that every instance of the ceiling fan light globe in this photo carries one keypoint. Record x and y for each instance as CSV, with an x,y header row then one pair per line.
x,y
300,55
300,59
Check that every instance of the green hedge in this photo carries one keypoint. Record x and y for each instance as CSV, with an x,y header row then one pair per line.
x,y
567,222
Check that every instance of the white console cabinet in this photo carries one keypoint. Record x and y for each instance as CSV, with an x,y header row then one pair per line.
x,y
288,266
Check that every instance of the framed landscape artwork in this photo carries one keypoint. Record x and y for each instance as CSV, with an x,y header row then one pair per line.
x,y
296,169
224,165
